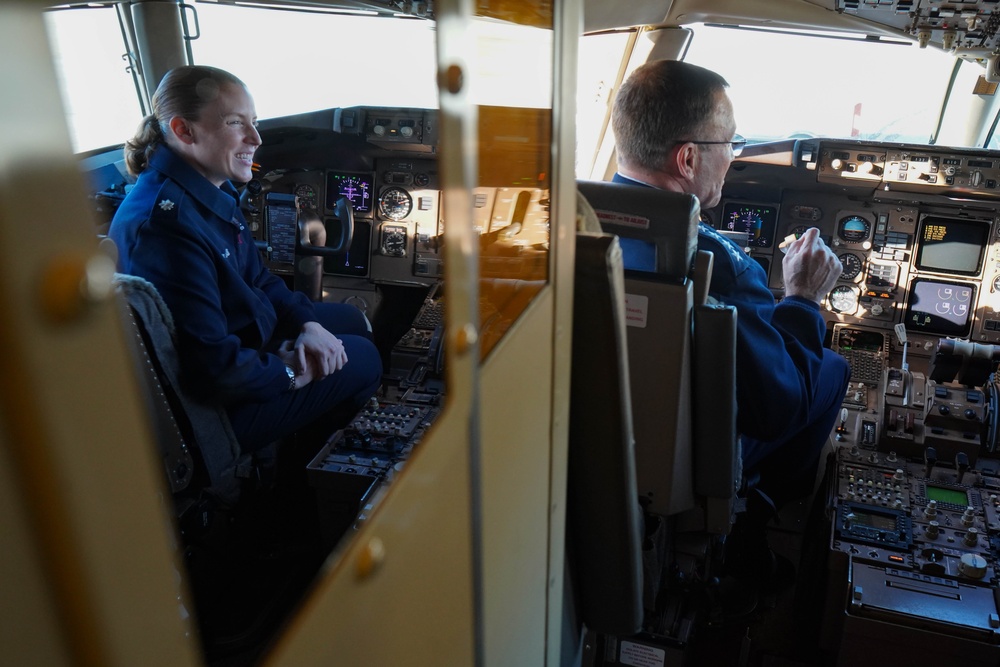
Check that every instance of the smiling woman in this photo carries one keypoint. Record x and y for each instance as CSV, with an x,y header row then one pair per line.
x,y
181,229
221,141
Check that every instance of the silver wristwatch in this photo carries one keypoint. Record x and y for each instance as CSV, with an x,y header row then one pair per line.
x,y
291,377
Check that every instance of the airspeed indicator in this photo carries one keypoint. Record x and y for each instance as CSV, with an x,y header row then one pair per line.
x,y
851,264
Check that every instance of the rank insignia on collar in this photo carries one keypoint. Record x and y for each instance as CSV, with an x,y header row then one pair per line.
x,y
166,204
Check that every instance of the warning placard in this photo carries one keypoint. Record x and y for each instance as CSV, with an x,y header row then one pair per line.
x,y
640,655
622,219
636,310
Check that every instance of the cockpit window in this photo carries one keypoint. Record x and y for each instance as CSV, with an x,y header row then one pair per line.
x,y
295,63
786,85
102,106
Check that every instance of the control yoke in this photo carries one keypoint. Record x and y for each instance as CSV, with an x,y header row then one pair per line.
x,y
345,214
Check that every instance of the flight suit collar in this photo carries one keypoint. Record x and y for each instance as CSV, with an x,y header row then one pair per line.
x,y
222,201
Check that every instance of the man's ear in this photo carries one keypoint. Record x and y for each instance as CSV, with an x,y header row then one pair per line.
x,y
684,161
182,129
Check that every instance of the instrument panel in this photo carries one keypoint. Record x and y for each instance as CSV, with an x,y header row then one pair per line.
x,y
916,229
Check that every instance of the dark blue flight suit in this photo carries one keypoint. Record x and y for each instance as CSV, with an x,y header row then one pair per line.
x,y
190,239
789,388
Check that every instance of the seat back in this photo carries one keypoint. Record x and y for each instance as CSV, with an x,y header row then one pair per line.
x,y
192,435
604,520
681,354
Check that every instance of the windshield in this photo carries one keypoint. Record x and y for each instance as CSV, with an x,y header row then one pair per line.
x,y
304,60
99,95
801,85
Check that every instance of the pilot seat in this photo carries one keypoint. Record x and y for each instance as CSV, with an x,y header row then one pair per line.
x,y
680,349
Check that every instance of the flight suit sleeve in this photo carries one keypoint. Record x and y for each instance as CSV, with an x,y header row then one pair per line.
x,y
215,362
779,350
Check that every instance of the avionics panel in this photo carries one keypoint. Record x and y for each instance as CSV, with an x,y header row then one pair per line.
x,y
355,261
940,307
281,220
947,245
358,188
757,221
902,168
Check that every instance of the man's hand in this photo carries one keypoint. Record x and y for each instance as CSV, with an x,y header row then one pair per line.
x,y
810,268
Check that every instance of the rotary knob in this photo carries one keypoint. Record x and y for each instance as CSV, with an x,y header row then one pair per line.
x,y
931,509
933,530
971,537
870,168
972,566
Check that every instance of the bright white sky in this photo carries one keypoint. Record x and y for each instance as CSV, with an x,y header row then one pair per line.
x,y
295,64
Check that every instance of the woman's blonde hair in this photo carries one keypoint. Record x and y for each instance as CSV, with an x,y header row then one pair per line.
x,y
184,92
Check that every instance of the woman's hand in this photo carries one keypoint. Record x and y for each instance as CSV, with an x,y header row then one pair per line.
x,y
318,352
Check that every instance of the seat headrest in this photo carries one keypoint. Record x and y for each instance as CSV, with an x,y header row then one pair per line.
x,y
668,221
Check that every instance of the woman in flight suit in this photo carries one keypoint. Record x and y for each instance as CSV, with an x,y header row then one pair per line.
x,y
274,359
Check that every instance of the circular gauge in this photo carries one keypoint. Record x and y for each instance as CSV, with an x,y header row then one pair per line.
x,y
851,264
306,195
395,203
394,241
854,229
843,299
996,284
421,180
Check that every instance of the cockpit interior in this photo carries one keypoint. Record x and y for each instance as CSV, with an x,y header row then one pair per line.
x,y
896,552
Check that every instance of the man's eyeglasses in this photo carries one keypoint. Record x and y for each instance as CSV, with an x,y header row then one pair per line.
x,y
737,143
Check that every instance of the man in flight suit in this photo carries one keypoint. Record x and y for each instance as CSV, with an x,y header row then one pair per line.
x,y
675,130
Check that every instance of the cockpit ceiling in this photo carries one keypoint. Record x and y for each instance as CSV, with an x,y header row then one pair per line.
x,y
968,29
415,8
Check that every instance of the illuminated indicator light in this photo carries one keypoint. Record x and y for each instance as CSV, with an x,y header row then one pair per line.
x,y
896,559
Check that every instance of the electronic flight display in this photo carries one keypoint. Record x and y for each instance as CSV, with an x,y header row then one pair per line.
x,y
940,307
952,246
358,188
757,220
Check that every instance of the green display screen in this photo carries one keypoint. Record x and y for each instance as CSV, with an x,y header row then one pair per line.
x,y
879,521
951,496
